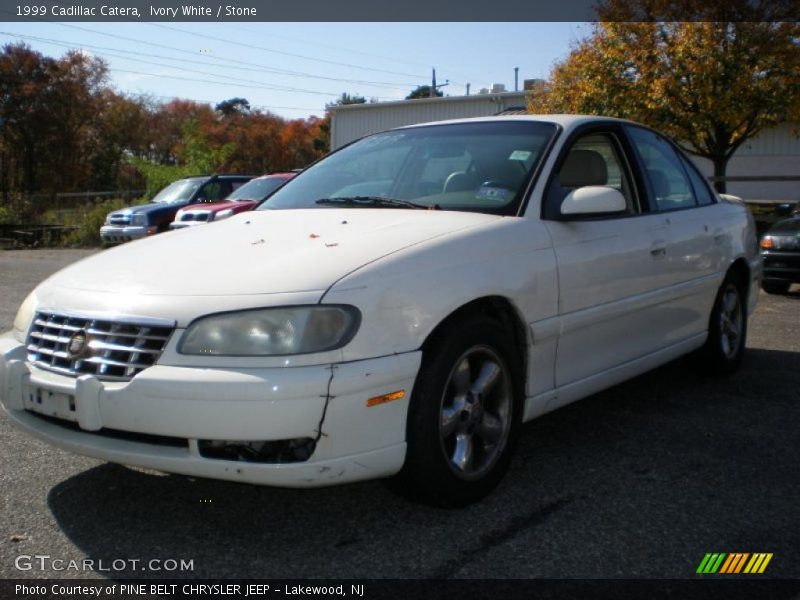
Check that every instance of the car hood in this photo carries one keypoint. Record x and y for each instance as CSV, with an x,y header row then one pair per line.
x,y
151,208
261,252
218,206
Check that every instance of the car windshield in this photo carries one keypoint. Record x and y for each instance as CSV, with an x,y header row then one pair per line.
x,y
787,227
178,191
477,166
257,189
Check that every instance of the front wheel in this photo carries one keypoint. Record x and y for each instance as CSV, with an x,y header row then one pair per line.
x,y
464,415
727,330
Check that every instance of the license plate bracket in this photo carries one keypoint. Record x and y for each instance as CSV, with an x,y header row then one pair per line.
x,y
50,403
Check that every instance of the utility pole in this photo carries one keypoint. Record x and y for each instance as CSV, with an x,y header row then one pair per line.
x,y
516,79
469,84
434,87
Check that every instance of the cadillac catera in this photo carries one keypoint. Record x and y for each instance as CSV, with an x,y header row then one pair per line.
x,y
397,309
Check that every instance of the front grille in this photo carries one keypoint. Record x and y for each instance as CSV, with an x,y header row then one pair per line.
x,y
195,216
121,219
113,350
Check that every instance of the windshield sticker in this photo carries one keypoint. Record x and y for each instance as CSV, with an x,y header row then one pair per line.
x,y
495,194
521,155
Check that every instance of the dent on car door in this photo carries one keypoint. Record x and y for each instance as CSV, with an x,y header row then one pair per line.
x,y
611,268
694,231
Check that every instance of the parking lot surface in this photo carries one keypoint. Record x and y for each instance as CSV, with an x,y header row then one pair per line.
x,y
638,481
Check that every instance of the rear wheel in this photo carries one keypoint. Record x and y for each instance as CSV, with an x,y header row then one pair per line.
x,y
464,415
727,329
775,287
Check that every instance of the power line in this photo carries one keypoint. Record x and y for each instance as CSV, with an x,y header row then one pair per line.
x,y
228,78
352,51
251,86
281,52
68,44
173,48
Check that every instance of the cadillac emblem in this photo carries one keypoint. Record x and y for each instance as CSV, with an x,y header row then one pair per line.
x,y
78,345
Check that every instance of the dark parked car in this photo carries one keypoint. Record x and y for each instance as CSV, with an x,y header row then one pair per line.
x,y
147,219
780,250
243,199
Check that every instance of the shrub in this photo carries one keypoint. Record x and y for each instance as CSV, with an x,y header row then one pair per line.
x,y
89,219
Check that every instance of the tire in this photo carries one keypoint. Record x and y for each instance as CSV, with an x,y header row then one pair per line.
x,y
727,330
775,287
464,415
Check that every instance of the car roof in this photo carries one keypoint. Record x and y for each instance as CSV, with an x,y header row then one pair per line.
x,y
564,120
217,176
281,175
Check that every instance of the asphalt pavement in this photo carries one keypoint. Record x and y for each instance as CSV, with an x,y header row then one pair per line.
x,y
639,481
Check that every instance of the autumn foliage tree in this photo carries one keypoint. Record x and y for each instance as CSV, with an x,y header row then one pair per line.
x,y
63,128
711,83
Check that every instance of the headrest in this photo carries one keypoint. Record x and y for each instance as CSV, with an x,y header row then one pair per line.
x,y
583,167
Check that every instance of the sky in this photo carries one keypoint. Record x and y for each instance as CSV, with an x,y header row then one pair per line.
x,y
293,69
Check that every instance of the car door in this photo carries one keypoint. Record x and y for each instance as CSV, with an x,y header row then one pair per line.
x,y
611,268
695,233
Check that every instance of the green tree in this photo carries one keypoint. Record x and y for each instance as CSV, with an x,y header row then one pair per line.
x,y
423,91
346,99
234,106
198,157
711,84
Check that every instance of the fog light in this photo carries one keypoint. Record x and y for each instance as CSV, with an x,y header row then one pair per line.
x,y
271,451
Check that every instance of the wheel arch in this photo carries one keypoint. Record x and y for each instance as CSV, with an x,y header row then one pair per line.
x,y
498,307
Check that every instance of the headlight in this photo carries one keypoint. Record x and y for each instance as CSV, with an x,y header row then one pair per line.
x,y
223,214
24,317
272,331
139,220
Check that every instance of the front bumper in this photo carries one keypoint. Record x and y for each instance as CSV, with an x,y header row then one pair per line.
x,y
116,233
165,411
782,266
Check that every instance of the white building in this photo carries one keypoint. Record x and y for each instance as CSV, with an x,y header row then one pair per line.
x,y
775,152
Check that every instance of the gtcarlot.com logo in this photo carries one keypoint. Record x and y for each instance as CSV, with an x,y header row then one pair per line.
x,y
45,562
734,563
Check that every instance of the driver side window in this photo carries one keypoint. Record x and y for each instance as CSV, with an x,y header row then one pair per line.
x,y
594,159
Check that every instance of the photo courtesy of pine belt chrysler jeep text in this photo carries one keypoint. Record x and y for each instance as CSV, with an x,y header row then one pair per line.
x,y
399,308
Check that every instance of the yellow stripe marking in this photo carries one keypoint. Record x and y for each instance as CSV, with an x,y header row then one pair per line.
x,y
753,564
765,563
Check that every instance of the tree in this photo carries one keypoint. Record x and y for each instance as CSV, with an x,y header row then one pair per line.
x,y
234,106
346,99
423,91
711,84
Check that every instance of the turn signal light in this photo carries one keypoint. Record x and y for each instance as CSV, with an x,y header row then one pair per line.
x,y
386,398
766,243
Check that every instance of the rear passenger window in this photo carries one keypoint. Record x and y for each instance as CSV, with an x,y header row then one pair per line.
x,y
668,179
699,183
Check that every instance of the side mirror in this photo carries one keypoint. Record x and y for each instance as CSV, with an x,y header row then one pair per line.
x,y
593,200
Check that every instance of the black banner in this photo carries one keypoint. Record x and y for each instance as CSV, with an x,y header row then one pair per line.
x,y
71,589
370,10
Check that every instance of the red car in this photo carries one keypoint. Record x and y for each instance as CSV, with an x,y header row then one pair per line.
x,y
242,199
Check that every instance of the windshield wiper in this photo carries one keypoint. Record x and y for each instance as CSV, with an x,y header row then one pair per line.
x,y
378,201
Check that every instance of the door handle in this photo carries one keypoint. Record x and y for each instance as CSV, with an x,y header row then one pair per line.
x,y
719,235
659,249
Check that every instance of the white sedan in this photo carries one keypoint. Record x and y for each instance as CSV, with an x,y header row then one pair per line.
x,y
398,309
